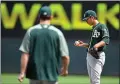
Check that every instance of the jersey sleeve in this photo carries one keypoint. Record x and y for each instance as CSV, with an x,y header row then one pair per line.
x,y
105,34
63,45
25,43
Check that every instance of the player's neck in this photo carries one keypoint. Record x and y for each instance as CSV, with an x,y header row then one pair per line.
x,y
44,22
95,22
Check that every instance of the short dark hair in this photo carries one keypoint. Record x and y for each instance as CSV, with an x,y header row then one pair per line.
x,y
42,17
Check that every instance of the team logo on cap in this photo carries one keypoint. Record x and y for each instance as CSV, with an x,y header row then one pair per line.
x,y
45,13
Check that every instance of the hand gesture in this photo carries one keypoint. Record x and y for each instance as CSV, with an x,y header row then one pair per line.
x,y
64,72
21,77
78,43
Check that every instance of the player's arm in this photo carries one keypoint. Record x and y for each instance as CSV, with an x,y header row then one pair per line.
x,y
25,55
23,65
103,42
105,38
86,45
65,64
100,44
24,61
81,44
65,55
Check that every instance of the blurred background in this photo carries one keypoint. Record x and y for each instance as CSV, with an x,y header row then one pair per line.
x,y
17,17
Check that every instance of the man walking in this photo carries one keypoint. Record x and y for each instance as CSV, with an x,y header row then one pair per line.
x,y
96,47
42,48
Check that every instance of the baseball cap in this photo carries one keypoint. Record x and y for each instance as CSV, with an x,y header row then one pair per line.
x,y
45,11
88,14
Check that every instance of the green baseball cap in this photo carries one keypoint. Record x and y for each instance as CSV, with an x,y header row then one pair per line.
x,y
45,11
88,14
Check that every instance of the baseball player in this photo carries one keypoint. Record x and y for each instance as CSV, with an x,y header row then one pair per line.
x,y
96,47
42,48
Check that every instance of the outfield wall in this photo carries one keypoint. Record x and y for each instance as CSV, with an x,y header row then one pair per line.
x,y
11,57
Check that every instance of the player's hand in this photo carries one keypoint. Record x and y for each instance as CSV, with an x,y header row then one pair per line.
x,y
21,77
96,46
64,72
78,43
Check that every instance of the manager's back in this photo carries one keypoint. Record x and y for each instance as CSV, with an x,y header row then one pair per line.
x,y
45,52
42,48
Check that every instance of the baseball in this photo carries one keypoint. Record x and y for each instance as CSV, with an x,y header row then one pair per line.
x,y
76,42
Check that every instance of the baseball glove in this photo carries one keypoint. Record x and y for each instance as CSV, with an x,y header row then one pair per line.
x,y
94,52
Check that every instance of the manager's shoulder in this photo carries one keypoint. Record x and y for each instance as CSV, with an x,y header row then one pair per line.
x,y
56,29
33,27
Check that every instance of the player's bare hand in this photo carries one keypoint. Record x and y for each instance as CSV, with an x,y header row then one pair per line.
x,y
64,72
21,77
78,43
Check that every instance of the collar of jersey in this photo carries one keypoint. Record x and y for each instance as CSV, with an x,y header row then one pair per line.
x,y
44,25
96,25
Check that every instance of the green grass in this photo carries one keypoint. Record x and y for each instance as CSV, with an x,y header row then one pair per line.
x,y
12,79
